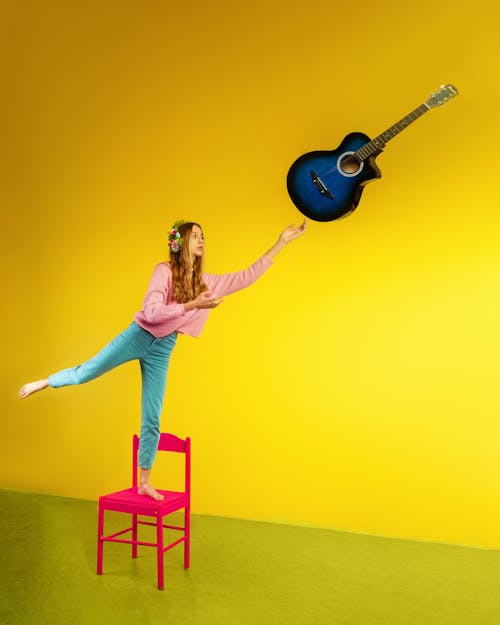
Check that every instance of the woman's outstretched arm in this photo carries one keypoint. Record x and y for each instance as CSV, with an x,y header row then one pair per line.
x,y
225,284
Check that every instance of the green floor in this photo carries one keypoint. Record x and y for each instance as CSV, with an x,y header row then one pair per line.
x,y
242,573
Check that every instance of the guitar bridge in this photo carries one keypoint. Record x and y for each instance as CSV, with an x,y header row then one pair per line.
x,y
320,185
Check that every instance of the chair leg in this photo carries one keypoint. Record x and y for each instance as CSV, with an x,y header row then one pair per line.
x,y
134,535
159,546
187,535
100,542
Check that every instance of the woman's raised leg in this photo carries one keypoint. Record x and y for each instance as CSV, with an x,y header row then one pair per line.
x,y
126,346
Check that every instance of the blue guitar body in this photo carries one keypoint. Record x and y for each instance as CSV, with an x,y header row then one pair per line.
x,y
326,185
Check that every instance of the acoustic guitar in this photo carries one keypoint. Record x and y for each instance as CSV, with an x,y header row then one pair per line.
x,y
327,184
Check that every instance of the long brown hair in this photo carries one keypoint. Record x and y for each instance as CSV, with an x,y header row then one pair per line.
x,y
186,284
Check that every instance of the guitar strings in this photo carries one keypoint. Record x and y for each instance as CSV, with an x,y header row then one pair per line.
x,y
446,92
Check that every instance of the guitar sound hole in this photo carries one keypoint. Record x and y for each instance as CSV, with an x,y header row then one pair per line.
x,y
349,164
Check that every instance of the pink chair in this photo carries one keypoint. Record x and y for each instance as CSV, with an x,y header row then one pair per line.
x,y
129,501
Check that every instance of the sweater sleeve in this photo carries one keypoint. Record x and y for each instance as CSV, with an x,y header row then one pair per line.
x,y
227,283
155,308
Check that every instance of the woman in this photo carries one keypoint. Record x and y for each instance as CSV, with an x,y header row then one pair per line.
x,y
178,301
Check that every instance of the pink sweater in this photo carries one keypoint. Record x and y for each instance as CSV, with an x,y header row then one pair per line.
x,y
161,314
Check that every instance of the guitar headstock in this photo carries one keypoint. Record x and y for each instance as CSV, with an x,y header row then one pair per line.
x,y
442,95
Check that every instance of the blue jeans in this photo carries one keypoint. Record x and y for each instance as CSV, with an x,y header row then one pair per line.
x,y
154,356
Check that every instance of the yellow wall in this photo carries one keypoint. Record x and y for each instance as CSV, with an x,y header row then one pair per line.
x,y
354,386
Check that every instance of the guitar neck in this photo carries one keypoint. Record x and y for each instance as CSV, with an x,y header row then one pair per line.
x,y
378,144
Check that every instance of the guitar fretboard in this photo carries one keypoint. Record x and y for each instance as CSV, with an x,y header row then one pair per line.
x,y
378,144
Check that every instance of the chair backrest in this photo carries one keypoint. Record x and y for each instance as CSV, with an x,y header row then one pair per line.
x,y
170,442
167,442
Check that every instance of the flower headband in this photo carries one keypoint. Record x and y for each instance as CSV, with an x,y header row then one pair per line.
x,y
175,240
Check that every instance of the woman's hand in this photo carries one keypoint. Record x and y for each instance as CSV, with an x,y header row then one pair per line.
x,y
204,300
292,232
289,234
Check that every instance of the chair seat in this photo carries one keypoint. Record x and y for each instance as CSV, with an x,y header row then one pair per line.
x,y
129,500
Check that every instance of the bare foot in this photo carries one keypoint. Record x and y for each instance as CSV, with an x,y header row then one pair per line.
x,y
32,387
146,489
